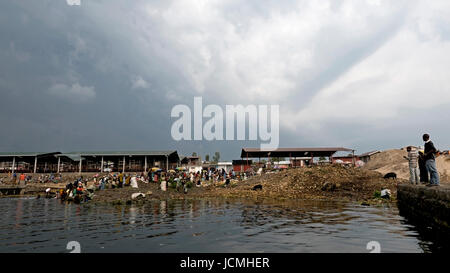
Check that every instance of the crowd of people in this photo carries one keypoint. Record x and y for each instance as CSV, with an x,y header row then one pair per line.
x,y
180,180
23,179
79,191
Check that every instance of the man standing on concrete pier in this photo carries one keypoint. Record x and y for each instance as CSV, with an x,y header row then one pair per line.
x,y
430,162
413,167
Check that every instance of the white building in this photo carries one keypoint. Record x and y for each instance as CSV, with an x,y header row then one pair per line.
x,y
227,166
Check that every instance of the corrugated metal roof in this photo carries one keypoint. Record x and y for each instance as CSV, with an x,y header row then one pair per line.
x,y
122,153
23,154
326,149
105,153
76,155
73,157
370,153
294,152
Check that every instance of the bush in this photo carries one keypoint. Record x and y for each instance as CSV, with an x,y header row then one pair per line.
x,y
189,185
377,194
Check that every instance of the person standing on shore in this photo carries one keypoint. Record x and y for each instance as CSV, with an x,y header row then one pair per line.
x,y
430,162
423,168
22,179
413,168
120,177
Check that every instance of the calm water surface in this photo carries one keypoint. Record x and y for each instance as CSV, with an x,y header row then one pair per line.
x,y
46,225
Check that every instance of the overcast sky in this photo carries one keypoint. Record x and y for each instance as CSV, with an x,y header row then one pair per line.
x,y
104,75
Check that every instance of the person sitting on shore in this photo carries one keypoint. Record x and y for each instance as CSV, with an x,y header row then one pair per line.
x,y
430,162
80,188
413,166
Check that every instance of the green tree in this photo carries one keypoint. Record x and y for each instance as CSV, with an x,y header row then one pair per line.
x,y
194,154
207,158
216,157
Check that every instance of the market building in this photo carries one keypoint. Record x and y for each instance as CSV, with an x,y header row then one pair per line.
x,y
297,156
112,161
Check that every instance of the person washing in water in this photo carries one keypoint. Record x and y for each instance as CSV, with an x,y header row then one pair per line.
x,y
430,163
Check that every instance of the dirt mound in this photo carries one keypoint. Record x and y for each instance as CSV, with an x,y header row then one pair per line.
x,y
318,182
393,161
388,157
443,166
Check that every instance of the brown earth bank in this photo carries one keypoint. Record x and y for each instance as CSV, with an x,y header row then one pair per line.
x,y
332,182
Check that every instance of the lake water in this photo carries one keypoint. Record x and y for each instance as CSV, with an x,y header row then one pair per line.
x,y
47,225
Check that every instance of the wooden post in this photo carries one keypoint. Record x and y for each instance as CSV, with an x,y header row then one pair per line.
x,y
167,162
145,164
312,159
247,162
13,165
59,162
101,168
81,162
123,165
353,158
35,164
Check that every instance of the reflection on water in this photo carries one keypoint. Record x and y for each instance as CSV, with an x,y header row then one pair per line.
x,y
46,225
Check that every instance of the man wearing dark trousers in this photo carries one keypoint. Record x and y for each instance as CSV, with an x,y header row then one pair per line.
x,y
430,162
423,168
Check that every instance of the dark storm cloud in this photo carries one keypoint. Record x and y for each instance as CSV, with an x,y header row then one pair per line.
x,y
105,75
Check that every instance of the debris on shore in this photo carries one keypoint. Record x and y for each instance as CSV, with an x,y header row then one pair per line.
x,y
320,182
333,182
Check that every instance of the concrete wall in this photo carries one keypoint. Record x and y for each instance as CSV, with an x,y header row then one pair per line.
x,y
428,205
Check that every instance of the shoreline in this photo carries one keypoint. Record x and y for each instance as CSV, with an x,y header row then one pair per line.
x,y
318,183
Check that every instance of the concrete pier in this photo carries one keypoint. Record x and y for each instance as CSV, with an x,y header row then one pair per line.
x,y
427,205
11,190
